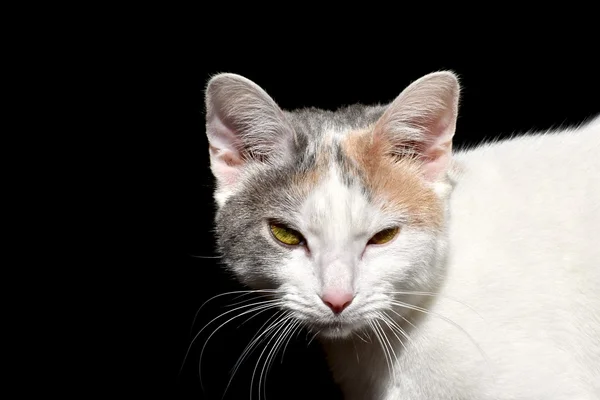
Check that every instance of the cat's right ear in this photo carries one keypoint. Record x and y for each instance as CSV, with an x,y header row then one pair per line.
x,y
421,121
244,125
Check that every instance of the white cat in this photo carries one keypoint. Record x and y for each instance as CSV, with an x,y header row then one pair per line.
x,y
427,273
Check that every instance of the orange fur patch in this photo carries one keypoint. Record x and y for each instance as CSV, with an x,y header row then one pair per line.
x,y
396,182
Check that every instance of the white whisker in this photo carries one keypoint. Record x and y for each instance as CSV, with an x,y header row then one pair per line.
x,y
256,339
297,325
260,308
391,349
313,338
394,327
432,294
214,319
251,299
448,320
397,325
374,325
206,257
273,353
285,317
356,351
360,337
401,316
244,293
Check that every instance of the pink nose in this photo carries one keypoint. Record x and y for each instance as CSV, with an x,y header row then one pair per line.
x,y
337,301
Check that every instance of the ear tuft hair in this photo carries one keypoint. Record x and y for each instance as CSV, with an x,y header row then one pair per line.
x,y
421,121
243,125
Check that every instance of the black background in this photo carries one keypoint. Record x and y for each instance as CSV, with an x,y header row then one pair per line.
x,y
505,91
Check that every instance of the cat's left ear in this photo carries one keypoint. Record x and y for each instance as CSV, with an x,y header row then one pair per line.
x,y
420,122
244,126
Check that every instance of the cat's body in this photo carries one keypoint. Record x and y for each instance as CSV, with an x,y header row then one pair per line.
x,y
524,258
342,214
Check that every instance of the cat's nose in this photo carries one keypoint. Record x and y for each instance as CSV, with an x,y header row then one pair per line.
x,y
337,300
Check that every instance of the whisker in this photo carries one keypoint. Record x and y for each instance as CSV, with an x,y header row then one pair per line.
x,y
366,332
259,291
273,353
374,325
221,315
360,337
252,316
394,328
284,318
270,331
247,300
211,321
397,325
448,320
432,294
313,338
262,302
206,257
256,339
401,316
260,308
245,292
390,351
383,347
356,351
297,325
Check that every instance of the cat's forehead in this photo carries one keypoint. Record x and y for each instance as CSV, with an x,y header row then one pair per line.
x,y
338,206
317,123
340,177
321,136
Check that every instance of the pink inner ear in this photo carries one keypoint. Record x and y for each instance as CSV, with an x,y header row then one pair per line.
x,y
225,164
437,155
436,162
226,160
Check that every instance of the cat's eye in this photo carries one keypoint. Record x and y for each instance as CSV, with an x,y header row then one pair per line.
x,y
384,236
286,235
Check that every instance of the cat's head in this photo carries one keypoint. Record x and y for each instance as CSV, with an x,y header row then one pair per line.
x,y
336,210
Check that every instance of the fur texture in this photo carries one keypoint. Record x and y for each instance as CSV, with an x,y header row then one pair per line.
x,y
490,288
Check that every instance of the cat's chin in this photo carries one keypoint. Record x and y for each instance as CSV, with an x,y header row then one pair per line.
x,y
336,331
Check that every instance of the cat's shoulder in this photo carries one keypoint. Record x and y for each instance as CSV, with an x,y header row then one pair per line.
x,y
584,135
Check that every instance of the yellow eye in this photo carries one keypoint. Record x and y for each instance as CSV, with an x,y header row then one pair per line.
x,y
384,236
286,235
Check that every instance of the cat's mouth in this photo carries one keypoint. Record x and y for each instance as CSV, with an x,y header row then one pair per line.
x,y
334,329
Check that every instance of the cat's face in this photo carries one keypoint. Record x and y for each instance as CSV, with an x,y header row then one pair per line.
x,y
337,211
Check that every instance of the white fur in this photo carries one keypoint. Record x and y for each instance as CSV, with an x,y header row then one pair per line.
x,y
524,255
512,284
337,222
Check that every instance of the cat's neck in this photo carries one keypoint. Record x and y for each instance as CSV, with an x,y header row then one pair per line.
x,y
357,365
365,363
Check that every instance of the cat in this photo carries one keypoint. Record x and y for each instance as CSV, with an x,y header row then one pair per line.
x,y
426,273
